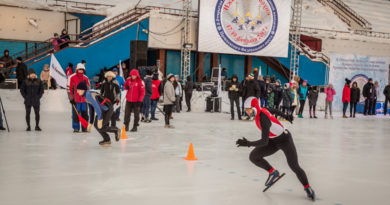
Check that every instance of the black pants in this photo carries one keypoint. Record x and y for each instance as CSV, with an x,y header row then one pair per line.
x,y
107,116
292,109
352,108
188,97
285,143
286,110
312,107
373,111
237,101
387,100
129,108
368,104
301,106
28,112
168,111
345,106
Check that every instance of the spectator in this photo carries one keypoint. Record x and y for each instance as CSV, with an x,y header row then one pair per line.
x,y
302,92
188,88
386,92
169,99
294,94
64,39
45,77
125,71
6,59
368,94
121,83
376,95
56,41
244,84
313,97
110,90
224,74
148,94
134,97
21,71
346,98
278,91
263,92
287,99
267,85
77,100
234,96
256,73
270,98
69,70
252,88
330,92
355,97
179,93
156,87
32,91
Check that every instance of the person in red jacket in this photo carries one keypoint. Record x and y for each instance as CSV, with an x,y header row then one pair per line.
x,y
346,96
134,97
76,99
69,70
156,92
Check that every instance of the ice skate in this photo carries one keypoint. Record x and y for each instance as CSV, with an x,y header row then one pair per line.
x,y
2,128
105,143
272,179
310,193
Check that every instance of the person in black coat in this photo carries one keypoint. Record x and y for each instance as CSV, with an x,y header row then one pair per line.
x,y
386,92
65,38
21,71
234,96
32,92
287,99
110,90
148,95
355,97
278,91
368,94
263,91
252,88
188,88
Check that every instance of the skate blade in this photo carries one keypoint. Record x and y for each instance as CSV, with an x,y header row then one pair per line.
x,y
274,182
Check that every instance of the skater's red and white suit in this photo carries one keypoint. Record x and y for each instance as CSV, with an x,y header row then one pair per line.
x,y
276,128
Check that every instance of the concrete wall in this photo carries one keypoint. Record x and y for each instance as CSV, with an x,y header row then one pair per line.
x,y
15,24
356,47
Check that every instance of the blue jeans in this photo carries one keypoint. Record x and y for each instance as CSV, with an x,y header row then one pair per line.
x,y
154,106
262,102
146,106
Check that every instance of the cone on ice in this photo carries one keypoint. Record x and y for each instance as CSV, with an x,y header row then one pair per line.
x,y
123,137
191,154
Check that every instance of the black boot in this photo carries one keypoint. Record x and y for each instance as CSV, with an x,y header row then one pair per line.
x,y
37,128
117,134
134,129
126,128
2,128
28,128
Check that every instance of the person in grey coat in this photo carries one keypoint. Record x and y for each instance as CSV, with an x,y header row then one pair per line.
x,y
286,99
169,99
313,97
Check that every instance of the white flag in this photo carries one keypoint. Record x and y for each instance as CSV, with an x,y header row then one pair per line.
x,y
219,82
120,69
259,74
57,72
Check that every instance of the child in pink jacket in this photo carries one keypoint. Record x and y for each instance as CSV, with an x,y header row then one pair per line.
x,y
330,92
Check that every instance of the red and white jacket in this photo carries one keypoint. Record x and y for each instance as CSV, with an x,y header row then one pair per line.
x,y
268,124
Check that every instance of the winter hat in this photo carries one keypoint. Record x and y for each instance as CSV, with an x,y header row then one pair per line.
x,y
347,81
82,86
278,81
114,70
251,76
305,81
255,69
31,71
80,66
110,73
169,76
148,72
19,58
70,65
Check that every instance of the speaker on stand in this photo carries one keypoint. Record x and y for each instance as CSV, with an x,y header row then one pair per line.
x,y
138,54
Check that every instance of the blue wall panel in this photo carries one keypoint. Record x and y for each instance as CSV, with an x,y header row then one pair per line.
x,y
266,70
106,53
87,21
207,64
173,63
234,64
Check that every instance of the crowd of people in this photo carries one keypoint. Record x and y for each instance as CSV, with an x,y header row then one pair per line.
x,y
292,96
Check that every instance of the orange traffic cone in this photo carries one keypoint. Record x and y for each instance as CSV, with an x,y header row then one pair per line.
x,y
191,155
123,137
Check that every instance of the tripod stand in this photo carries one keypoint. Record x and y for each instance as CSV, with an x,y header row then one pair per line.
x,y
5,117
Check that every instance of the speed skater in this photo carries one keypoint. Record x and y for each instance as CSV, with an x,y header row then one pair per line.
x,y
274,137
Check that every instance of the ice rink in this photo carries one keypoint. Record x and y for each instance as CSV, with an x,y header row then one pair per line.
x,y
347,161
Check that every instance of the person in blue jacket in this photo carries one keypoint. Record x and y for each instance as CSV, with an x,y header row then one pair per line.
x,y
302,92
103,109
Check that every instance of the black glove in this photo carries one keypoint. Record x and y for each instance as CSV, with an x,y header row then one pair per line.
x,y
242,142
72,102
290,118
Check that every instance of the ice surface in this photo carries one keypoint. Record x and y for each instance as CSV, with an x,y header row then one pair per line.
x,y
347,161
